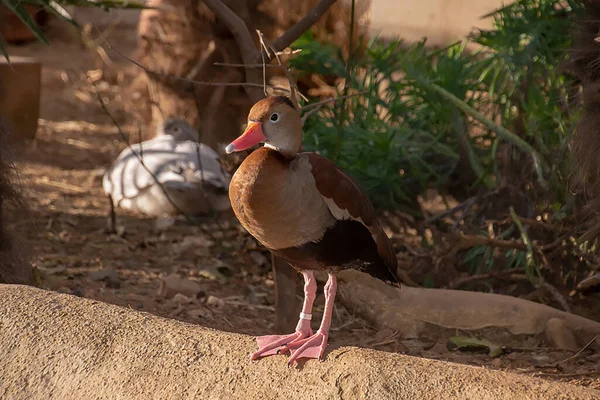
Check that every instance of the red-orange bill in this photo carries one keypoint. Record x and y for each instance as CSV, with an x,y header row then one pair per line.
x,y
251,136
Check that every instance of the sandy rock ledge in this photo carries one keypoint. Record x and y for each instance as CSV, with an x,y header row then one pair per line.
x,y
64,347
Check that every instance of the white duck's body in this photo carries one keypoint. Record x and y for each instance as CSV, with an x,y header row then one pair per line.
x,y
177,176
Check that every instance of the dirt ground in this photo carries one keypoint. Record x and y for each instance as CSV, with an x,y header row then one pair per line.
x,y
61,176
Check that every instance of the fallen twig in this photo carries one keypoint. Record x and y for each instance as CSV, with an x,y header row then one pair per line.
x,y
555,294
60,185
573,357
468,241
451,211
464,213
530,222
248,305
474,278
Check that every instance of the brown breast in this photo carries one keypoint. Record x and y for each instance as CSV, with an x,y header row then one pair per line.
x,y
277,200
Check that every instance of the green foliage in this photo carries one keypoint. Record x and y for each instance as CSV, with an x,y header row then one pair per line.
x,y
415,112
525,48
384,142
56,8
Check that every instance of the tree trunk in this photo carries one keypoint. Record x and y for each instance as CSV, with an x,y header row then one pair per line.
x,y
184,39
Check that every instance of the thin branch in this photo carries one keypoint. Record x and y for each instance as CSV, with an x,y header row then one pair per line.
x,y
243,38
315,107
200,64
332,100
179,78
222,64
293,88
264,63
313,16
450,211
474,278
556,295
251,55
530,222
556,365
467,241
311,112
288,52
464,213
347,83
574,356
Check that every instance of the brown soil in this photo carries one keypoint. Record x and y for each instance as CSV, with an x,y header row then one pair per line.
x,y
61,177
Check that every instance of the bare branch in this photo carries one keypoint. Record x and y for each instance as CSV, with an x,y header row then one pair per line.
x,y
311,112
200,64
264,62
289,53
235,24
293,88
250,55
332,100
220,64
483,277
243,38
315,107
191,81
303,25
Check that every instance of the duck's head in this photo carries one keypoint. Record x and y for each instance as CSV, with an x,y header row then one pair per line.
x,y
179,129
275,122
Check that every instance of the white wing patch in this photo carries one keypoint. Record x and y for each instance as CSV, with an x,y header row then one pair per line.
x,y
339,213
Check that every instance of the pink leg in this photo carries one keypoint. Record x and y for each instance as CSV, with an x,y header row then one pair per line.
x,y
273,344
314,345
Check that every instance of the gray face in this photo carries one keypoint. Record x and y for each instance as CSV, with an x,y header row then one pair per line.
x,y
179,129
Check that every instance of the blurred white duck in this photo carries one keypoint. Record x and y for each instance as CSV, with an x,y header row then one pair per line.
x,y
181,176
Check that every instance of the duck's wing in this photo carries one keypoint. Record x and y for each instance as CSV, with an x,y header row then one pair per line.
x,y
202,164
137,167
347,201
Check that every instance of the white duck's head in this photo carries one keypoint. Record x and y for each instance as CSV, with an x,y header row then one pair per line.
x,y
178,129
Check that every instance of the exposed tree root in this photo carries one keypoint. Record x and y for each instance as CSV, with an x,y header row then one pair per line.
x,y
411,310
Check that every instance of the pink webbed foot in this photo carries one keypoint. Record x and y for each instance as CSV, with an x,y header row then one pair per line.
x,y
273,344
310,347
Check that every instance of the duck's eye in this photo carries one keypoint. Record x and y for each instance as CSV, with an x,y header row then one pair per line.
x,y
274,117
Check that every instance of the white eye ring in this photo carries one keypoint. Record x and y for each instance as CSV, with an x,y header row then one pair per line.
x,y
274,117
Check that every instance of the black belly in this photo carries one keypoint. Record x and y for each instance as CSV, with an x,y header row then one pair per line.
x,y
347,244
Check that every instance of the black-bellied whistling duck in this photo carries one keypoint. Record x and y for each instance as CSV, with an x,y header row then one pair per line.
x,y
307,211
